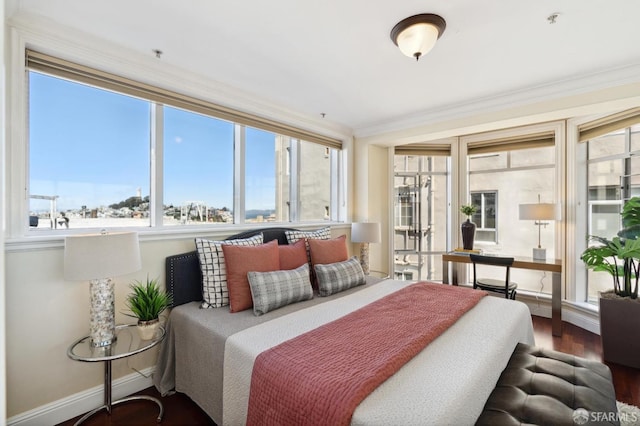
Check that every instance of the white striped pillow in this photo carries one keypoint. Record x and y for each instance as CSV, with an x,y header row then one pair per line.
x,y
336,277
272,290
214,274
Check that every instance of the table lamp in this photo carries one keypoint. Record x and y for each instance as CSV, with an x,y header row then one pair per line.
x,y
538,212
97,258
365,233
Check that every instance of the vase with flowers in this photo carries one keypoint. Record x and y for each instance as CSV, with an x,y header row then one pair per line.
x,y
468,228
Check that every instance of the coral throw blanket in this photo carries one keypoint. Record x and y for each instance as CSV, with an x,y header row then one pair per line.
x,y
321,376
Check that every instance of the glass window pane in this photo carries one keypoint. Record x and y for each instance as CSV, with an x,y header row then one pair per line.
x,y
407,163
314,181
532,157
487,161
604,179
198,169
260,176
489,210
632,181
89,164
611,144
604,218
420,216
610,182
485,216
500,230
598,282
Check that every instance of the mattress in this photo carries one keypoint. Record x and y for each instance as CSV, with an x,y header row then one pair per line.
x,y
447,383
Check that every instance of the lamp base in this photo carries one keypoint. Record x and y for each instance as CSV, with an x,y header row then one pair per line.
x,y
364,257
102,313
539,254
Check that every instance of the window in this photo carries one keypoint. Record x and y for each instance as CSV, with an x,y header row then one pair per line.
x,y
485,215
315,165
260,171
403,275
105,151
421,185
88,155
613,176
505,169
198,169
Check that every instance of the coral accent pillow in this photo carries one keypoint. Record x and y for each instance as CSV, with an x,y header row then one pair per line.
x,y
324,252
241,260
293,256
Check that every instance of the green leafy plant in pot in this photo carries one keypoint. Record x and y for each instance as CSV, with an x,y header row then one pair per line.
x,y
468,228
620,306
146,302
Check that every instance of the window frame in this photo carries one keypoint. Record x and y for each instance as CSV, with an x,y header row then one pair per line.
x,y
625,191
558,130
480,226
17,164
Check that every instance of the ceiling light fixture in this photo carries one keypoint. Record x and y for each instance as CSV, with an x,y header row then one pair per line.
x,y
416,35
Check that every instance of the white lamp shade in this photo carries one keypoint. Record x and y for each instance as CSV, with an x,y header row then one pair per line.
x,y
97,256
418,38
539,211
365,232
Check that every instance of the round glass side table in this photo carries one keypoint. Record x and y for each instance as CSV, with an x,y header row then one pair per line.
x,y
127,343
379,274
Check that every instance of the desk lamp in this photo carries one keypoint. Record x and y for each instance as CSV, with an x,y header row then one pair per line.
x,y
538,212
97,258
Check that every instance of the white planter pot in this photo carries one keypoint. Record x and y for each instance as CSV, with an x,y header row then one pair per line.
x,y
147,329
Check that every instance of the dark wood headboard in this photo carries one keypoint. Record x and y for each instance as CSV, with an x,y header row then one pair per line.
x,y
183,275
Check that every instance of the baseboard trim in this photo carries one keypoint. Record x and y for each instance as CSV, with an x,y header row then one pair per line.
x,y
585,320
580,317
82,402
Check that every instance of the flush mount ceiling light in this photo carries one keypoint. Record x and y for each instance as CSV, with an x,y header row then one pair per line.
x,y
416,35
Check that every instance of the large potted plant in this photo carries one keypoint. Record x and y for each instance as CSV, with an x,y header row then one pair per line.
x,y
147,302
468,228
620,307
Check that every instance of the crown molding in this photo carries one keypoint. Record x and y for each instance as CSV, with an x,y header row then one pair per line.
x,y
556,90
43,34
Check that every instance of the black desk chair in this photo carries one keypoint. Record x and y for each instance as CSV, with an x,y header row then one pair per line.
x,y
506,287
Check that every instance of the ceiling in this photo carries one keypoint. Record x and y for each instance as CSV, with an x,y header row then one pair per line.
x,y
335,57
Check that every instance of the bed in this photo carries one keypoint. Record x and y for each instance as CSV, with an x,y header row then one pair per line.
x,y
208,354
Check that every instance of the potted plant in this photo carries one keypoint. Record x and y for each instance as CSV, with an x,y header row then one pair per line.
x,y
146,303
620,307
468,228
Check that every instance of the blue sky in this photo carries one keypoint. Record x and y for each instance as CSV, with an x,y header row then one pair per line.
x,y
91,147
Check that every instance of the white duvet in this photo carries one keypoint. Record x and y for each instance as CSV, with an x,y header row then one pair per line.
x,y
445,384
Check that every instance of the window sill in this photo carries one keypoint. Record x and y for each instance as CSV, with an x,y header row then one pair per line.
x,y
55,239
583,306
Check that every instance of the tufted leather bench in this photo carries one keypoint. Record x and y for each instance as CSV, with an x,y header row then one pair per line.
x,y
545,387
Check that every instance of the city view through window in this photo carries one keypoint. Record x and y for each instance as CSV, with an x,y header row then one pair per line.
x,y
91,164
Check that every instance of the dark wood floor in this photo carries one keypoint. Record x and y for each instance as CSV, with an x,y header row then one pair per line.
x,y
179,410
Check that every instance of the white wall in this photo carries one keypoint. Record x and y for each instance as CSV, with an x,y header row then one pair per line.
x,y
46,314
3,100
371,199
